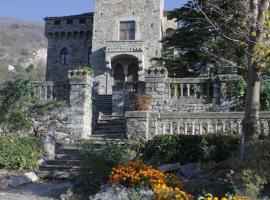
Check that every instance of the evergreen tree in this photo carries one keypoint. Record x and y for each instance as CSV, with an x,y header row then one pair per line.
x,y
198,41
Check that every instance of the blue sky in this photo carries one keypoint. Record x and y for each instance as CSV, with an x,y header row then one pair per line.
x,y
36,10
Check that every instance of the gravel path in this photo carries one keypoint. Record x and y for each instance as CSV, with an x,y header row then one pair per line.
x,y
39,191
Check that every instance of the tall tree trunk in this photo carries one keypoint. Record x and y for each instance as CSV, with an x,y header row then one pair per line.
x,y
250,123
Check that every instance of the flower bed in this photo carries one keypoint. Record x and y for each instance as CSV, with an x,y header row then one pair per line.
x,y
135,175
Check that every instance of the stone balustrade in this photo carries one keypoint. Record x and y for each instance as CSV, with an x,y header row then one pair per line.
x,y
193,89
49,90
145,125
124,46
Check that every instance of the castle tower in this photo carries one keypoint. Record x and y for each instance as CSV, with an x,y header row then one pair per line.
x,y
69,44
126,36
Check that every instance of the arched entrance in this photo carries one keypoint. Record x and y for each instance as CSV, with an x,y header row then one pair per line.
x,y
125,69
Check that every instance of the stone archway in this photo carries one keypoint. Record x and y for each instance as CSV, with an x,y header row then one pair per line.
x,y
125,69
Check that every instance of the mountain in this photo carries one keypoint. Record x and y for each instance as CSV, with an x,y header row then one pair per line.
x,y
24,46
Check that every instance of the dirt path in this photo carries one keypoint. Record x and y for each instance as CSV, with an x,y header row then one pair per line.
x,y
39,191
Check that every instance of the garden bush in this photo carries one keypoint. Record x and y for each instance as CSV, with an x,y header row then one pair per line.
x,y
190,148
20,152
100,163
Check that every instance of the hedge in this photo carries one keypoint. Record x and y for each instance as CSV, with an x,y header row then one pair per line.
x,y
190,148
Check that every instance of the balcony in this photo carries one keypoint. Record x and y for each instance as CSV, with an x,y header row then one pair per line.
x,y
124,46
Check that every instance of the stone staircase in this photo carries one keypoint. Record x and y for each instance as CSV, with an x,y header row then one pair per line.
x,y
103,104
67,162
110,127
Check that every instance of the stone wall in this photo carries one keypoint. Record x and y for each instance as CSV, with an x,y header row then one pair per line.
x,y
145,125
73,120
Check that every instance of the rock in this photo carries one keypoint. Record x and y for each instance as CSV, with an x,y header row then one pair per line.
x,y
3,172
49,147
17,181
3,184
118,192
169,167
191,170
60,136
41,160
31,176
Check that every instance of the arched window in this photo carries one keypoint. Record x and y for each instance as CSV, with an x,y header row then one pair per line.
x,y
64,57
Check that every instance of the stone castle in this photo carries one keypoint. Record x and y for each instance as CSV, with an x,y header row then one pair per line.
x,y
118,41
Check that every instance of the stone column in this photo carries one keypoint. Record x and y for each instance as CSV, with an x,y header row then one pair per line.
x,y
126,72
80,102
138,126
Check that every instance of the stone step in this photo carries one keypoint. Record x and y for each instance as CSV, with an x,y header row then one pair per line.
x,y
70,151
62,168
56,174
63,162
59,156
107,137
66,146
109,128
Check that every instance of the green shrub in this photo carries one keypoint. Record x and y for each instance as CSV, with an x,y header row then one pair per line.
x,y
189,148
20,152
43,108
100,163
16,97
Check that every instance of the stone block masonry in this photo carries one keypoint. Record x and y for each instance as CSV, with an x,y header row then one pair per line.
x,y
74,120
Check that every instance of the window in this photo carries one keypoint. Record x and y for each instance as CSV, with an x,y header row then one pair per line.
x,y
57,22
127,30
82,21
64,57
70,21
89,55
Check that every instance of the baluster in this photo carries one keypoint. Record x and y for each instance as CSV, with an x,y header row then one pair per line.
x,y
45,91
200,128
175,91
215,126
181,90
171,128
239,126
185,128
223,126
188,90
156,127
207,127
163,128
178,128
193,128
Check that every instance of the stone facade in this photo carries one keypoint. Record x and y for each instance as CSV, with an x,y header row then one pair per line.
x,y
98,34
119,40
